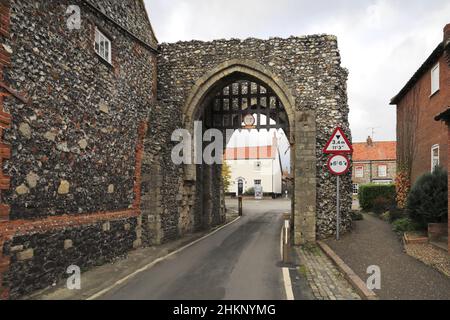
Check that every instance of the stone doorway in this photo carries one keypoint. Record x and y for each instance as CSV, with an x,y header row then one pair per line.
x,y
221,99
226,108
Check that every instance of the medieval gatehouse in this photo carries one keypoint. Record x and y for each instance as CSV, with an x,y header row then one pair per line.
x,y
89,101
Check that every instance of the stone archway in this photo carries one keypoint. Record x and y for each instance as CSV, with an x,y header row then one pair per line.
x,y
307,76
302,137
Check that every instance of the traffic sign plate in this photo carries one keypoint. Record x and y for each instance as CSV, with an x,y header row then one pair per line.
x,y
338,165
338,144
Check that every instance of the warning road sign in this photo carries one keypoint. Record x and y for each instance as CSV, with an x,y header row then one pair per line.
x,y
338,144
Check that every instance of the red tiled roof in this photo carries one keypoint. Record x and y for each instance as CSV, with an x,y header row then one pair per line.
x,y
377,151
247,153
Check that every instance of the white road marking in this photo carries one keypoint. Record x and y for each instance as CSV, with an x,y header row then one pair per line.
x,y
151,265
286,274
288,285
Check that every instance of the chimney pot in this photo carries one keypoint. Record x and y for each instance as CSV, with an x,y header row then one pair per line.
x,y
369,141
447,33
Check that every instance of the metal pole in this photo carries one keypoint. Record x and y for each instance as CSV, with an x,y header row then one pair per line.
x,y
240,206
338,208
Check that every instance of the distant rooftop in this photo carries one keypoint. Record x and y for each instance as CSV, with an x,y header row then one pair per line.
x,y
375,151
248,153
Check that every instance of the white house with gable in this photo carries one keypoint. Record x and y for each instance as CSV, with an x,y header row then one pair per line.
x,y
255,166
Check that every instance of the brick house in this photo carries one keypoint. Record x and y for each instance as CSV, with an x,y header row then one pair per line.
x,y
445,117
423,142
374,162
77,81
423,139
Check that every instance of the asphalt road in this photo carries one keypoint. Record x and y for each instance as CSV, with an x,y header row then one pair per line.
x,y
240,262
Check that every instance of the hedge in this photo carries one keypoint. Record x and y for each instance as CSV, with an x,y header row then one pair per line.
x,y
377,197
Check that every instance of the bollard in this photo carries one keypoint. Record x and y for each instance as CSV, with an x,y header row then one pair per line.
x,y
287,241
240,207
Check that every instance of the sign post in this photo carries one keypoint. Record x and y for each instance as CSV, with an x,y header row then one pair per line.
x,y
338,164
338,208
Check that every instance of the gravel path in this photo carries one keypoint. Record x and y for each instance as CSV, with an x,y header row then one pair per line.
x,y
403,278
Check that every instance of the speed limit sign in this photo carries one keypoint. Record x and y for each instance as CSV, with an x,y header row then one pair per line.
x,y
338,165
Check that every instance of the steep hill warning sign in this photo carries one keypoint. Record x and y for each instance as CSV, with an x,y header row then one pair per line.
x,y
338,144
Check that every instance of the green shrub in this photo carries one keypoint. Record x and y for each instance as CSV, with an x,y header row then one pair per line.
x,y
404,225
396,214
386,216
250,191
377,198
428,199
357,216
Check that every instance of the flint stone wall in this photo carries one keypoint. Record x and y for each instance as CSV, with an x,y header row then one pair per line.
x,y
75,145
82,123
311,68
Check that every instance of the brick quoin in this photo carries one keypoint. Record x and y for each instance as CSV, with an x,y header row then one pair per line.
x,y
139,157
5,150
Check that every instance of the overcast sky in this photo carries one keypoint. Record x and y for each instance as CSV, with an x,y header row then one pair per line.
x,y
382,42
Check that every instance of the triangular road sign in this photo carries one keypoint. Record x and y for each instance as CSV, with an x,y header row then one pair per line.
x,y
338,143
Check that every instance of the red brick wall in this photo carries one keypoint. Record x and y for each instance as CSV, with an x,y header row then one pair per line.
x,y
5,151
429,132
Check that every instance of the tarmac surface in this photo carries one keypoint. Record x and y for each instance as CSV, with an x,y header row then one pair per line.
x,y
373,243
240,262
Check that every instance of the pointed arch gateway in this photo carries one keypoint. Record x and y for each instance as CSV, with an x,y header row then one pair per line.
x,y
301,134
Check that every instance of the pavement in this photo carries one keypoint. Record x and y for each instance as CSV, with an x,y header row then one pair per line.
x,y
373,243
324,279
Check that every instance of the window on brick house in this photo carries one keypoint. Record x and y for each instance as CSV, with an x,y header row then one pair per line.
x,y
382,171
435,153
103,46
435,79
359,172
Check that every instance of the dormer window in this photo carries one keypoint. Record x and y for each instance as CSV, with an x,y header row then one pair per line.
x,y
103,46
435,85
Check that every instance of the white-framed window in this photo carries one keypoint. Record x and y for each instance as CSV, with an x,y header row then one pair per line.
x,y
257,183
435,79
435,155
103,46
355,188
382,171
258,165
359,171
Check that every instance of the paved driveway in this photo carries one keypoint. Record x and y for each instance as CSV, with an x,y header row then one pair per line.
x,y
403,278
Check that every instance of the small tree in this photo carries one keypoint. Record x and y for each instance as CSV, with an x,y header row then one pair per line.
x,y
226,177
428,199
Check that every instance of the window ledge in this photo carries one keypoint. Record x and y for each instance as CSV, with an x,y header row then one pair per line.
x,y
435,93
104,61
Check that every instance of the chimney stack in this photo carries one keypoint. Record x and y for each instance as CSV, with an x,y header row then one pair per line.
x,y
447,34
369,141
